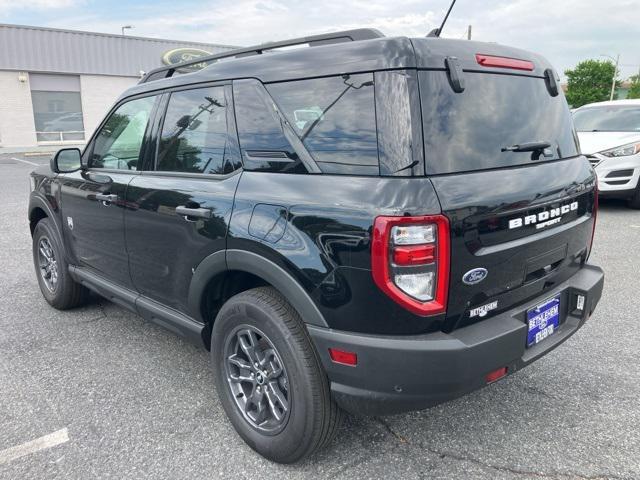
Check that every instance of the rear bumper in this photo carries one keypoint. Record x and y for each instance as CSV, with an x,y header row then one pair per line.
x,y
399,374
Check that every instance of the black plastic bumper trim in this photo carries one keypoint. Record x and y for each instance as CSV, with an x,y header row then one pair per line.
x,y
399,374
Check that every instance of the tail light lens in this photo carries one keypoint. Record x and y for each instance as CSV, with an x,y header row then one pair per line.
x,y
595,217
410,261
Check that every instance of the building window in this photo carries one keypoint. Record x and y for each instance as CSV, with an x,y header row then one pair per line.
x,y
57,108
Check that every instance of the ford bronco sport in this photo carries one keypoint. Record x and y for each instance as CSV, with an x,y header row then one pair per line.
x,y
369,224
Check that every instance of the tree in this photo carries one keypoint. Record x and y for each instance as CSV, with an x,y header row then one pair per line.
x,y
590,82
634,91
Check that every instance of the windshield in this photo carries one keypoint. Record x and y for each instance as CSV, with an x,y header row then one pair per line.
x,y
609,118
498,121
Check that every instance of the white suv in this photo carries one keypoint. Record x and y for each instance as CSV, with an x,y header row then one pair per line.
x,y
609,134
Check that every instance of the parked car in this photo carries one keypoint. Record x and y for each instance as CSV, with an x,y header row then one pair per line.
x,y
609,134
370,224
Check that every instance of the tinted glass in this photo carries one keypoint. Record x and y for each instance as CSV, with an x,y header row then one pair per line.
x,y
194,133
399,123
469,130
262,137
335,119
119,141
609,118
57,115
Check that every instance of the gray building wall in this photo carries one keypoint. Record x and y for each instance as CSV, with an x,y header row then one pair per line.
x,y
36,49
17,126
105,66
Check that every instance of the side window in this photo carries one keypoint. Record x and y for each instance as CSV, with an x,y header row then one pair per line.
x,y
119,141
263,140
399,123
195,135
335,119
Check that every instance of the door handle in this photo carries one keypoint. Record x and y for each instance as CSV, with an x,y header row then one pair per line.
x,y
187,212
106,198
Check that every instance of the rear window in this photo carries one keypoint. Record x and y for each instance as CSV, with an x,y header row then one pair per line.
x,y
608,118
468,131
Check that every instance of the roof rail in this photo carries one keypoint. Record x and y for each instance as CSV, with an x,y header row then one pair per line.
x,y
312,41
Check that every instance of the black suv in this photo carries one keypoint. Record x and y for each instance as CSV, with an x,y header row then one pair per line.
x,y
370,224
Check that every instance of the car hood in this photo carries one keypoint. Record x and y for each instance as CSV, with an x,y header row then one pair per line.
x,y
594,142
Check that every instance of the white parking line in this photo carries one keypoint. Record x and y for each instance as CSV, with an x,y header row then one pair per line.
x,y
25,161
42,443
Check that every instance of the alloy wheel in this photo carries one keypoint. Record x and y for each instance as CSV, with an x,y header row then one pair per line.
x,y
47,264
258,380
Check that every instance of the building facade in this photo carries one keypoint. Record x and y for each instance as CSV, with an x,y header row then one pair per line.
x,y
57,85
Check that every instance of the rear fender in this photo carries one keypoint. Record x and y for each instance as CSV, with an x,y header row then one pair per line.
x,y
270,272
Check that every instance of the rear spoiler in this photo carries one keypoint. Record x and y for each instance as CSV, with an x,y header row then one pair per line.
x,y
471,56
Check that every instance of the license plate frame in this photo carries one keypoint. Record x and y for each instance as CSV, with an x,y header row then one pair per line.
x,y
543,321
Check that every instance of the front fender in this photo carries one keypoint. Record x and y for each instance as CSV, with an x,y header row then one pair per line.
x,y
38,200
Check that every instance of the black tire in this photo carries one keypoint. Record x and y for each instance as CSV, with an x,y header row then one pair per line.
x,y
634,201
313,417
64,293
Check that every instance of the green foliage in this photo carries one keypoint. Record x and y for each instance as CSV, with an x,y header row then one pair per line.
x,y
590,82
634,91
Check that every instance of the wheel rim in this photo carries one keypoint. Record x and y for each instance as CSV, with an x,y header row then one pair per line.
x,y
258,380
47,264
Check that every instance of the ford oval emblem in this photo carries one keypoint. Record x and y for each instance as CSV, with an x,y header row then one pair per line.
x,y
179,55
475,276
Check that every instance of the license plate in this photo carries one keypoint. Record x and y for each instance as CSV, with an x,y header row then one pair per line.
x,y
543,321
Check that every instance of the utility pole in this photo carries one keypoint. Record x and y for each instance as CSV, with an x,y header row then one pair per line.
x,y
469,33
615,75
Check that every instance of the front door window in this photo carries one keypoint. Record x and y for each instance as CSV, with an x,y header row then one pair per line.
x,y
119,141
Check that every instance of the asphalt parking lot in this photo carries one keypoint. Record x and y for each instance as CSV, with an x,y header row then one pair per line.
x,y
117,397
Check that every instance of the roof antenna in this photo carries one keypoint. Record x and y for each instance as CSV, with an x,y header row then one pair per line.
x,y
437,31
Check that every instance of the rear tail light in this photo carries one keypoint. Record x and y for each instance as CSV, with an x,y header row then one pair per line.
x,y
595,216
414,254
410,261
504,62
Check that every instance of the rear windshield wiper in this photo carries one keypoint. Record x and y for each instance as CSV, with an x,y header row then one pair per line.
x,y
527,147
538,148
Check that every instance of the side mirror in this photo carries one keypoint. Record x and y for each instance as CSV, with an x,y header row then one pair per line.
x,y
66,160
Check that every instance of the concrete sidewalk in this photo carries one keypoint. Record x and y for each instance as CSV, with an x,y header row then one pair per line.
x,y
39,149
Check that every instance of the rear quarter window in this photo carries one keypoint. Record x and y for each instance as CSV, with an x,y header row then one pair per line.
x,y
467,131
335,119
263,140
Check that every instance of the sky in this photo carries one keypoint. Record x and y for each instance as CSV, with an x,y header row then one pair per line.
x,y
564,31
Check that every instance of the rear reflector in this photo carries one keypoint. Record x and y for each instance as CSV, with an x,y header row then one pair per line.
x,y
345,358
496,375
504,62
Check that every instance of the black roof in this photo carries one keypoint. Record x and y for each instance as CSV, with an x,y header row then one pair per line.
x,y
381,53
